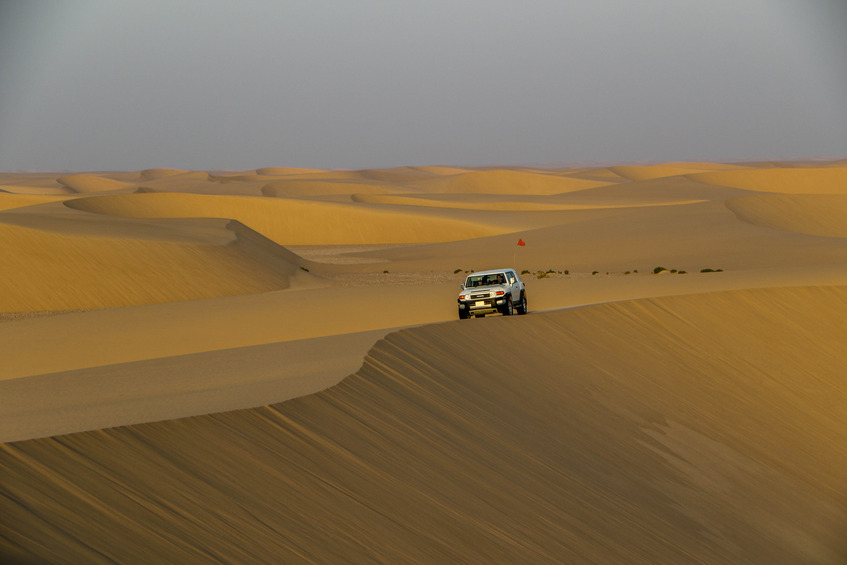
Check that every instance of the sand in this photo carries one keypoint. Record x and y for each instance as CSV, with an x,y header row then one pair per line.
x,y
266,366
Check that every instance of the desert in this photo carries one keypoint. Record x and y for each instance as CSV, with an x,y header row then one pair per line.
x,y
266,366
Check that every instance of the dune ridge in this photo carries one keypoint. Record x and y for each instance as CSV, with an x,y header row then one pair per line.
x,y
60,271
154,174
813,214
700,451
295,222
797,180
505,182
91,183
506,203
649,172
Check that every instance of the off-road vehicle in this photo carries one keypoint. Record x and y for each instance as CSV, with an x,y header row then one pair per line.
x,y
490,292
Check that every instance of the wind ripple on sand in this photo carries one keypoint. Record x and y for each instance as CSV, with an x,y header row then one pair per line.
x,y
692,429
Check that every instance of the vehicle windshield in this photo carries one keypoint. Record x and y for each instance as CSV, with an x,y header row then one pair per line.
x,y
485,280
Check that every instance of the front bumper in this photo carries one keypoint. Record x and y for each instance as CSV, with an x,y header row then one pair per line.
x,y
482,305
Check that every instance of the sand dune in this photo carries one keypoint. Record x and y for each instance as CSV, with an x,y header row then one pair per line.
x,y
678,417
686,237
676,430
91,183
813,214
280,171
495,202
180,181
59,271
153,174
284,188
504,182
819,180
402,175
647,172
17,200
295,222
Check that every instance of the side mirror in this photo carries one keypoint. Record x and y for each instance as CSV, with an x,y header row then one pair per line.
x,y
463,286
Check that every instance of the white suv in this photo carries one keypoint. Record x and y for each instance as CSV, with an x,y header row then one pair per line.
x,y
489,292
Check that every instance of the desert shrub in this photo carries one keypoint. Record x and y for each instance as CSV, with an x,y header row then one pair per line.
x,y
524,272
385,272
711,270
683,272
595,272
541,275
658,270
457,271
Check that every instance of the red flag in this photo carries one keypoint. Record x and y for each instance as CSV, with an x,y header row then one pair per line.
x,y
521,242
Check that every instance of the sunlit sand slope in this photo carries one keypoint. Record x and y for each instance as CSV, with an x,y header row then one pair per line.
x,y
59,270
505,182
496,202
91,183
818,180
14,200
694,429
153,174
686,237
647,172
314,187
813,214
295,222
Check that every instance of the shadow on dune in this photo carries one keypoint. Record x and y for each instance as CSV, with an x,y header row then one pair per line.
x,y
692,429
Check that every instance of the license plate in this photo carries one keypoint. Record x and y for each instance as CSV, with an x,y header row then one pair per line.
x,y
480,303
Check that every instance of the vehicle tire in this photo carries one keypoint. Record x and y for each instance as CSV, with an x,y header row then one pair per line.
x,y
463,315
508,308
521,308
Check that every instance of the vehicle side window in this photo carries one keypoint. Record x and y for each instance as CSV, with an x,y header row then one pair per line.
x,y
512,277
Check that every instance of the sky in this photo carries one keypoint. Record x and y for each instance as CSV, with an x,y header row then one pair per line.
x,y
351,84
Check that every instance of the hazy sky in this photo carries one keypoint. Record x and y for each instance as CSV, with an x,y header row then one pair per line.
x,y
205,84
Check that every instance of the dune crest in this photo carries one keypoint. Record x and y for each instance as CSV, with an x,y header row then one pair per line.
x,y
492,202
284,171
63,271
11,200
153,174
295,222
84,183
287,188
818,180
812,214
505,182
649,172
